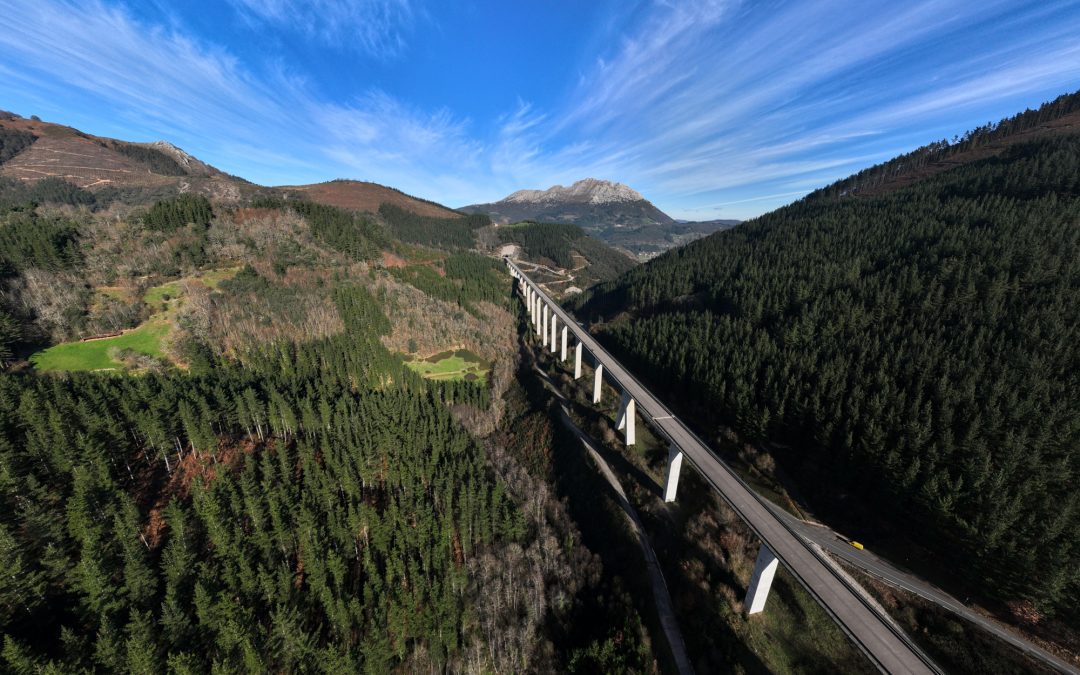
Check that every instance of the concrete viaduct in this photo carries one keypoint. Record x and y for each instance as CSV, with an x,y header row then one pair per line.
x,y
884,644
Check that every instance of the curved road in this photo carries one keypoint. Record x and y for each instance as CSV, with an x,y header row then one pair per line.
x,y
884,570
888,648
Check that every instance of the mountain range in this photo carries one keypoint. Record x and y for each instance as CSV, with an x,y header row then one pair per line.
x,y
612,212
31,150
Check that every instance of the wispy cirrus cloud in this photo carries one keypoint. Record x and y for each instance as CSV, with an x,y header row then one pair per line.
x,y
377,27
163,82
716,108
721,102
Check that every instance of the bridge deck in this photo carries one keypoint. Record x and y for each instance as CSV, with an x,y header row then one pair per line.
x,y
885,645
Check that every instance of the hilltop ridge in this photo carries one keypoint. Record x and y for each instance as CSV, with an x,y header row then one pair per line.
x,y
587,190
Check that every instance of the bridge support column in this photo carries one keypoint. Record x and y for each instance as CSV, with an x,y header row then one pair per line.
x,y
577,360
674,466
761,582
536,311
625,418
597,382
554,332
565,332
544,326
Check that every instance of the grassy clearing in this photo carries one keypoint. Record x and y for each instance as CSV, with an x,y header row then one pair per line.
x,y
457,365
94,355
212,278
145,339
156,296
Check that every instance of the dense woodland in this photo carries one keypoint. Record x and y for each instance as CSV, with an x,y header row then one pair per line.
x,y
464,279
449,233
281,493
314,508
171,214
353,234
12,142
920,350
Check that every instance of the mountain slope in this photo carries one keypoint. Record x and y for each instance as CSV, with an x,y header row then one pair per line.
x,y
364,196
99,164
595,205
918,349
581,260
1055,118
609,211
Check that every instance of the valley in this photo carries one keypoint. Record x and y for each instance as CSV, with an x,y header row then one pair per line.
x,y
319,427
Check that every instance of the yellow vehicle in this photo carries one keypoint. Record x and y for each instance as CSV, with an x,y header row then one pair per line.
x,y
856,544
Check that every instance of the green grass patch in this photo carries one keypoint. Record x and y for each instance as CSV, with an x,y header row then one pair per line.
x,y
451,365
156,296
211,278
94,355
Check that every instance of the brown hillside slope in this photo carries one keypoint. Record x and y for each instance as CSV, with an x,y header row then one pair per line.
x,y
94,162
67,153
364,196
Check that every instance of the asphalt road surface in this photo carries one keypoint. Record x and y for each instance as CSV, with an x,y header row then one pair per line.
x,y
890,574
887,647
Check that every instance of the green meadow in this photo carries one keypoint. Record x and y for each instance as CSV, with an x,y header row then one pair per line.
x,y
145,339
94,355
451,365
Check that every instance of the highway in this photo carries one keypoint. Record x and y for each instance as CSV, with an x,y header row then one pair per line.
x,y
887,647
878,567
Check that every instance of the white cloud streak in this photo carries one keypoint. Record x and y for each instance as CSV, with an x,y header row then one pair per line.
x,y
376,27
712,108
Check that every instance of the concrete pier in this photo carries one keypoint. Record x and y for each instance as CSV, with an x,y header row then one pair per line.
x,y
598,382
544,326
553,342
577,361
761,582
625,418
565,336
533,307
674,466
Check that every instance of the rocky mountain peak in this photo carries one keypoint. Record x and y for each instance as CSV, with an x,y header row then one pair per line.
x,y
189,162
587,191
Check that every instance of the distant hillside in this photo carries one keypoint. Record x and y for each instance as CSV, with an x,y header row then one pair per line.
x,y
364,196
584,259
609,211
32,150
917,350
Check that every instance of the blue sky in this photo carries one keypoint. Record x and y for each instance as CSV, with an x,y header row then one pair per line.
x,y
716,109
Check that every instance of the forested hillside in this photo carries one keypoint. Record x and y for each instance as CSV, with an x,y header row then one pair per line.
x,y
920,350
558,243
313,508
260,481
1052,118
